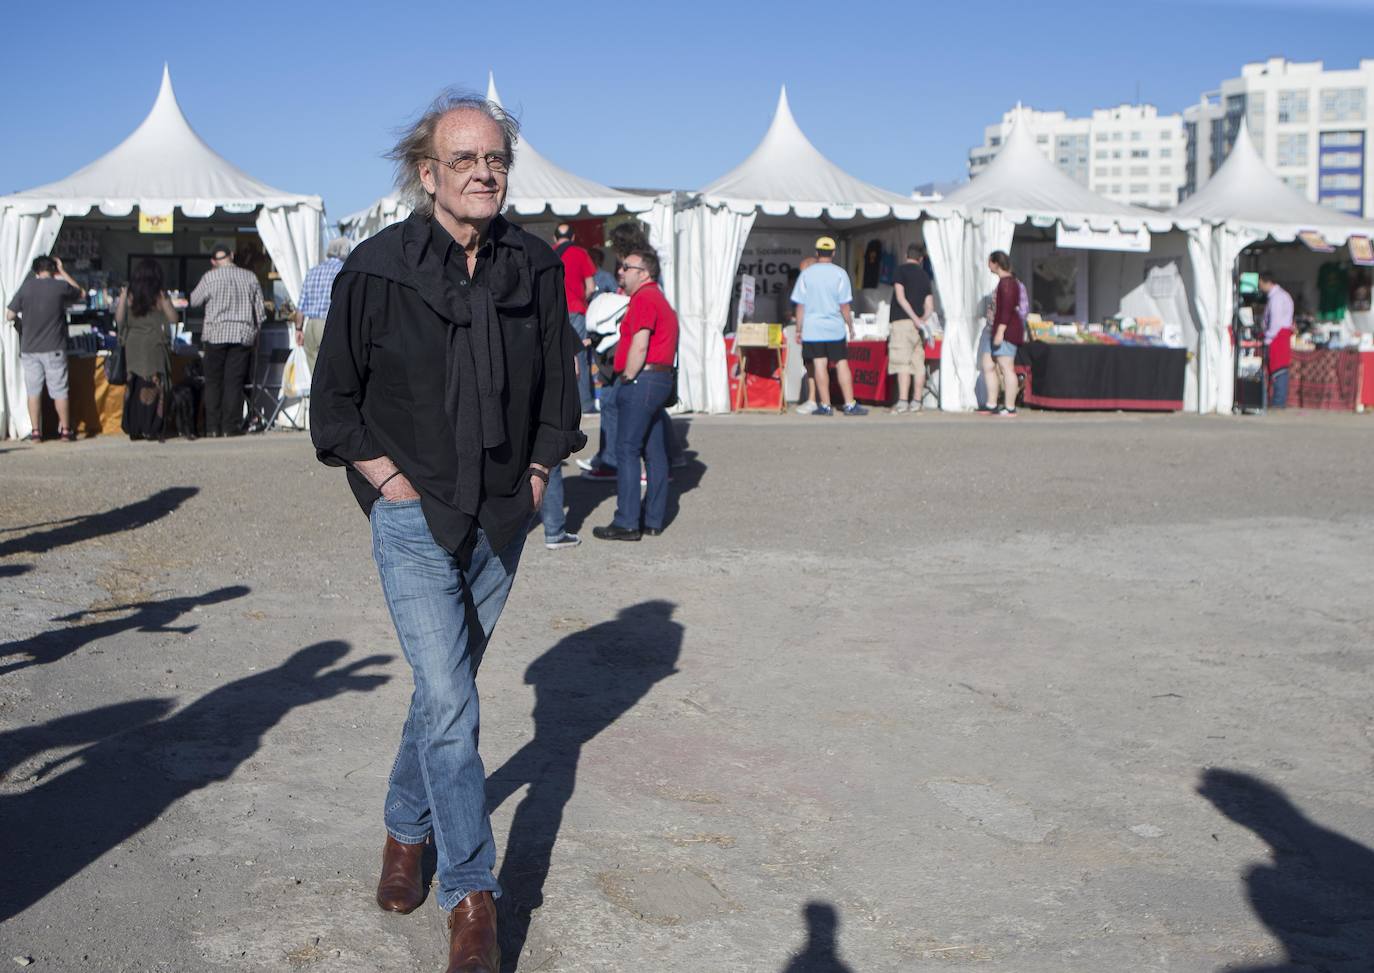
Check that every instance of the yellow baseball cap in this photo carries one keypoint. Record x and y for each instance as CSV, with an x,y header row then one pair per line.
x,y
825,243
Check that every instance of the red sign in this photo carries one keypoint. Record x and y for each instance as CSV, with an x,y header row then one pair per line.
x,y
868,365
763,390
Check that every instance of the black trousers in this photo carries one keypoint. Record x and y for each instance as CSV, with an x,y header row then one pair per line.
x,y
226,372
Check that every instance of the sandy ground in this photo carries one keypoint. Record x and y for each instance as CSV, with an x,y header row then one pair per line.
x,y
929,693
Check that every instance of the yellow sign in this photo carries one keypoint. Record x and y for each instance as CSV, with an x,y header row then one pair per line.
x,y
154,224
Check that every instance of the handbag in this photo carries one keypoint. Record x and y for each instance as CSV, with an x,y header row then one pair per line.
x,y
116,371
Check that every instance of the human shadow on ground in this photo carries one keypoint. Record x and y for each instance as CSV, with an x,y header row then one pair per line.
x,y
148,616
821,952
134,766
14,570
581,686
584,494
1317,896
73,530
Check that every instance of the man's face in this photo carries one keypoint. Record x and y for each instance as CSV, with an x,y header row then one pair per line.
x,y
1266,286
474,196
633,274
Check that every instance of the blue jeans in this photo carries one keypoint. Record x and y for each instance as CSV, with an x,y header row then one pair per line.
x,y
642,427
553,515
444,617
584,376
606,454
1278,389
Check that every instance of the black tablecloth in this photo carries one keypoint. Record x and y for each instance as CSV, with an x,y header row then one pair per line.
x,y
1103,376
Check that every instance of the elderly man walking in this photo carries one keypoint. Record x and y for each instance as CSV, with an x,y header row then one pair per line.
x,y
446,388
234,312
315,292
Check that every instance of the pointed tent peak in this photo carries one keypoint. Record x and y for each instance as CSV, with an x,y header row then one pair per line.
x,y
493,95
787,173
1245,190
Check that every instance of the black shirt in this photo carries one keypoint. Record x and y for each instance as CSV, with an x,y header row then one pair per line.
x,y
916,283
379,384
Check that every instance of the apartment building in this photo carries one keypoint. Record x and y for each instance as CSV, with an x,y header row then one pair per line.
x,y
1311,125
1130,153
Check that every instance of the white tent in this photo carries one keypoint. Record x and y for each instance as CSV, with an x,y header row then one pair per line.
x,y
785,180
162,166
1021,186
391,208
1242,204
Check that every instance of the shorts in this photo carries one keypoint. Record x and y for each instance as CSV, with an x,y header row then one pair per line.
x,y
45,367
1005,350
837,350
906,349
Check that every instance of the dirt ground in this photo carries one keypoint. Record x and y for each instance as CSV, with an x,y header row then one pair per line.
x,y
896,693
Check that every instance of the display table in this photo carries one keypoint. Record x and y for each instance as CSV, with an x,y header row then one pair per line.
x,y
1367,379
1326,379
1093,376
96,406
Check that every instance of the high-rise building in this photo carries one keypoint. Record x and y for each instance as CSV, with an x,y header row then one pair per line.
x,y
1312,126
1130,153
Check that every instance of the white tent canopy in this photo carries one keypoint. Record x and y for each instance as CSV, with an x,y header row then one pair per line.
x,y
786,174
1020,186
1242,204
537,185
162,166
391,208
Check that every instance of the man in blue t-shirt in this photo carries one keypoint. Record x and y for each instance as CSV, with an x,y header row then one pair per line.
x,y
824,319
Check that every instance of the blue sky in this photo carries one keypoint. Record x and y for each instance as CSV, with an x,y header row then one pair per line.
x,y
306,95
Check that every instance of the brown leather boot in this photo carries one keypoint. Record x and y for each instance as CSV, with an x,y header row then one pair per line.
x,y
472,945
401,887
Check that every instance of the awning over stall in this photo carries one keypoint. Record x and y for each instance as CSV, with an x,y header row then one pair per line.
x,y
163,165
1020,186
1242,204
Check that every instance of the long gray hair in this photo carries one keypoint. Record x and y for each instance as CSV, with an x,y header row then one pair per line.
x,y
416,141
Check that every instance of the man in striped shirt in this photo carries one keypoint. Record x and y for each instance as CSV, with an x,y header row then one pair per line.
x,y
234,311
315,292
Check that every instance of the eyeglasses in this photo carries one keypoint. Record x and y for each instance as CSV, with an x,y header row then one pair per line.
x,y
625,267
466,162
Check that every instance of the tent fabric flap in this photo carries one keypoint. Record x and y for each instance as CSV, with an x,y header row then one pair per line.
x,y
23,236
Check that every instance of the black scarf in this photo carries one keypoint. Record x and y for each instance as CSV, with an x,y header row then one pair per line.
x,y
475,367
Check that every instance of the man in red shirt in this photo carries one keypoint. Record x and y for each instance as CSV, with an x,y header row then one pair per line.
x,y
579,277
644,359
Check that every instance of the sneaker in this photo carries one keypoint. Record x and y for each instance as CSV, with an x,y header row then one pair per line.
x,y
987,409
823,410
900,408
585,465
561,541
599,472
806,408
854,409
1004,411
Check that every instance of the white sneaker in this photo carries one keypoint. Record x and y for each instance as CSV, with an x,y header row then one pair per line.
x,y
806,408
901,407
561,541
585,465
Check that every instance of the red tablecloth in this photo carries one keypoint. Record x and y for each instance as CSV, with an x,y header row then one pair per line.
x,y
1324,379
1367,379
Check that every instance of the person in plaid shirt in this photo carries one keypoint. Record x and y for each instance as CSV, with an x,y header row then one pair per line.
x,y
315,291
233,313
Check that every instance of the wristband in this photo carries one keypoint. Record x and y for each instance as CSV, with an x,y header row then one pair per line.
x,y
387,480
536,471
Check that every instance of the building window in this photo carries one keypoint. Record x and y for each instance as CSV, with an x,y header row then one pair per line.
x,y
1166,134
1101,154
1116,188
1342,104
1116,170
995,141
1166,153
1116,153
1297,182
1100,137
1136,136
1292,149
1140,153
1341,181
1140,170
1165,189
1293,107
1139,188
1116,136
1042,140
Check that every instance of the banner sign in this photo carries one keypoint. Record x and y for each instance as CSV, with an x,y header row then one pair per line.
x,y
1086,238
1361,250
154,224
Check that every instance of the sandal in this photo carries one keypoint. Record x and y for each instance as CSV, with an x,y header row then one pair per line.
x,y
35,437
67,435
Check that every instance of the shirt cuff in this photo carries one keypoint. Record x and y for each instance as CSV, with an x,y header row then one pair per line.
x,y
355,447
552,446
